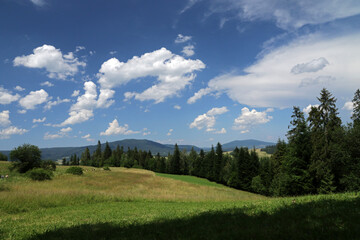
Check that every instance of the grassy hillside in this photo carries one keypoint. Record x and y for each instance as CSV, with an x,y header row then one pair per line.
x,y
138,204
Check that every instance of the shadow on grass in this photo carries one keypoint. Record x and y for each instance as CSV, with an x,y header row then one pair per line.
x,y
324,219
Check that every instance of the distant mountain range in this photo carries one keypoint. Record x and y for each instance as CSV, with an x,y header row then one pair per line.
x,y
144,145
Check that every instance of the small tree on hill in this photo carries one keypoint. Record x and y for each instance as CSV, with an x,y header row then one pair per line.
x,y
26,157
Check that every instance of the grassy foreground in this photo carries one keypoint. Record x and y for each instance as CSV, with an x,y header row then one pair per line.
x,y
137,204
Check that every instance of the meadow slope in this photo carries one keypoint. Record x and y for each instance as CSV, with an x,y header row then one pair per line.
x,y
137,204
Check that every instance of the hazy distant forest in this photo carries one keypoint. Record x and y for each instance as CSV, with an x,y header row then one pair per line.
x,y
322,156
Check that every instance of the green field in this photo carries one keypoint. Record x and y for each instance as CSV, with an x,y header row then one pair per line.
x,y
138,204
191,179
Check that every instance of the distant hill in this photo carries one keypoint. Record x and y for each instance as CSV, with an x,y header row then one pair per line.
x,y
141,144
250,143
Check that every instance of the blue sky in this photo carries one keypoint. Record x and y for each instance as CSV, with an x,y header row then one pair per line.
x,y
192,72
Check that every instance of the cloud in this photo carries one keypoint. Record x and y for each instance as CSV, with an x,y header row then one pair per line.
x,y
308,108
270,83
23,111
188,50
49,136
5,118
82,110
112,52
177,107
198,95
170,132
217,111
75,93
173,74
6,96
349,106
18,88
47,83
7,132
312,66
38,3
79,48
251,118
115,129
86,136
146,132
58,101
40,120
286,14
181,38
208,120
34,98
52,60
222,131
62,133
320,80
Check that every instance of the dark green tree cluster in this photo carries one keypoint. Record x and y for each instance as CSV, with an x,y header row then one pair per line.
x,y
321,155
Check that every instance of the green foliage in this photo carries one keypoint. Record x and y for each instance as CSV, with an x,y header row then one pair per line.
x,y
75,170
40,174
48,165
25,157
3,157
106,168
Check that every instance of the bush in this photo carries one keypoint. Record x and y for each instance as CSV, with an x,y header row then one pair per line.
x,y
75,170
40,174
48,165
25,157
106,168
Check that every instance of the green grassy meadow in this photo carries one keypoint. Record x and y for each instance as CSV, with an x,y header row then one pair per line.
x,y
139,204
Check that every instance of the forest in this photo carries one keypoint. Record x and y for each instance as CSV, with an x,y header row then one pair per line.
x,y
321,155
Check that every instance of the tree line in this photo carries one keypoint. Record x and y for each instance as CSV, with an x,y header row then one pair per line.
x,y
321,156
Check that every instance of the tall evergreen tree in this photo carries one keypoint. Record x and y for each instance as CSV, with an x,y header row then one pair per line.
x,y
175,168
97,156
326,136
218,162
85,157
107,152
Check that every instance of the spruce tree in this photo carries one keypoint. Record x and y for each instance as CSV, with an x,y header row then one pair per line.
x,y
107,152
97,155
327,159
175,169
218,161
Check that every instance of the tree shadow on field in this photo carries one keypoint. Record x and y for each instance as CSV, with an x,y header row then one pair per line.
x,y
323,219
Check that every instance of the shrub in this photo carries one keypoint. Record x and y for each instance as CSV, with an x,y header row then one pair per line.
x,y
25,157
48,165
40,174
75,170
106,168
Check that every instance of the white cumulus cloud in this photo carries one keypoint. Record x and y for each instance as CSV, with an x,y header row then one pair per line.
x,y
349,106
6,96
308,108
5,118
52,60
47,83
177,107
173,74
58,101
199,94
75,93
208,120
181,38
19,88
34,98
115,129
188,50
7,132
40,120
83,109
251,118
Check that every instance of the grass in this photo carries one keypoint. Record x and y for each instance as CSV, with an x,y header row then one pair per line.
x,y
137,204
191,179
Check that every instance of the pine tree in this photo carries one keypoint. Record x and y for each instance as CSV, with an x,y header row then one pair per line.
x,y
218,162
175,169
97,156
327,158
107,152
85,157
